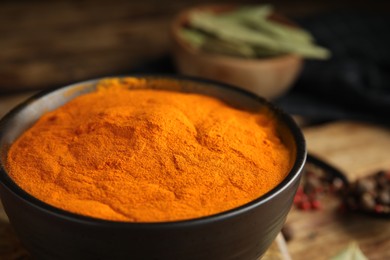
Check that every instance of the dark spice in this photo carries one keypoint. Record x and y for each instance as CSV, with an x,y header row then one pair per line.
x,y
317,181
370,194
287,232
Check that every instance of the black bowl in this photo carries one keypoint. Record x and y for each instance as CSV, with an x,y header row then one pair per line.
x,y
241,233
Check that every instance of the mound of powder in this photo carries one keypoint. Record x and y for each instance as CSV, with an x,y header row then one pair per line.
x,y
148,155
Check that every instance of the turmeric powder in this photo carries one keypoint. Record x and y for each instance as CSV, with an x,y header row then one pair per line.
x,y
148,155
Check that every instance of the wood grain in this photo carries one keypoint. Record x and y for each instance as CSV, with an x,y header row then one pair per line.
x,y
358,150
52,43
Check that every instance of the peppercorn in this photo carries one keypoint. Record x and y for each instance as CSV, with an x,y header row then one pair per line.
x,y
370,193
365,185
287,232
367,201
384,197
316,204
316,183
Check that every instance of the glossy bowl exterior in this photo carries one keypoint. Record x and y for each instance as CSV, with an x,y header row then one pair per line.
x,y
242,233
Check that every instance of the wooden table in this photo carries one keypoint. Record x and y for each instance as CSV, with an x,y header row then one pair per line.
x,y
52,43
357,149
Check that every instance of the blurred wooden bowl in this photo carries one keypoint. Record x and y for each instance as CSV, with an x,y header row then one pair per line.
x,y
266,77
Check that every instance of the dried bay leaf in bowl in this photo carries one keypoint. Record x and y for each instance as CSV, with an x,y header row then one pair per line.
x,y
250,33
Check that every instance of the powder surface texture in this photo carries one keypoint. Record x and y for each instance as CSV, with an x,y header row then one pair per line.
x,y
148,156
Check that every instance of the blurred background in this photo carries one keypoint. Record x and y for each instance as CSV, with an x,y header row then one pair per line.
x,y
47,44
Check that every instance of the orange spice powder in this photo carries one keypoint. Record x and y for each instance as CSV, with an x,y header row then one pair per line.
x,y
148,155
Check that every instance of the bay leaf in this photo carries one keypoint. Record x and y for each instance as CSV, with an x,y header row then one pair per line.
x,y
242,13
193,37
278,30
265,37
230,48
351,252
229,30
206,42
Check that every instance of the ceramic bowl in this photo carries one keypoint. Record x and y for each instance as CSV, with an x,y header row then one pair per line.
x,y
244,232
267,77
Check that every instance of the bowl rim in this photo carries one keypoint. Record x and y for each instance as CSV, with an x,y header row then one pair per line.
x,y
301,153
180,18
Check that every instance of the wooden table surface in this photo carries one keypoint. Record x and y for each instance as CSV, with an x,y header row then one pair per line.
x,y
52,43
357,149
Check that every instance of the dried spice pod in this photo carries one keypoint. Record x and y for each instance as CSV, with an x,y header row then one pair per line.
x,y
319,180
370,194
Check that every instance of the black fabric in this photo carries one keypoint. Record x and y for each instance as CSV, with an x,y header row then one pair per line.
x,y
355,82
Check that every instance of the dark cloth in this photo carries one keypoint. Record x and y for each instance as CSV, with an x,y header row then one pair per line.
x,y
355,82
353,85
